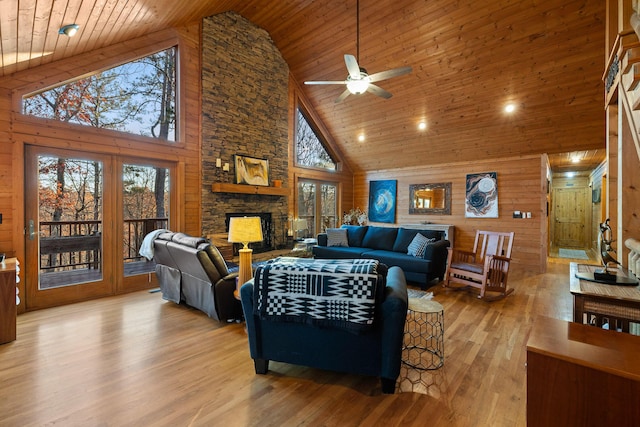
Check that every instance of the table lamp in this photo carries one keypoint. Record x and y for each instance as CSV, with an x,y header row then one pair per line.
x,y
299,224
245,230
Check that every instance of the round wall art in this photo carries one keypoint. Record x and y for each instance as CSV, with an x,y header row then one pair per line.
x,y
382,201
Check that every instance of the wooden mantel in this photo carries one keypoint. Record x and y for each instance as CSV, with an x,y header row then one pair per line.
x,y
220,187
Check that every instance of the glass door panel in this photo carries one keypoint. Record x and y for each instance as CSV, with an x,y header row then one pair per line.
x,y
69,221
317,208
328,206
145,202
65,227
304,224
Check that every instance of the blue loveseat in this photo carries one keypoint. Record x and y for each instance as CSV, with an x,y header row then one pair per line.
x,y
374,351
389,245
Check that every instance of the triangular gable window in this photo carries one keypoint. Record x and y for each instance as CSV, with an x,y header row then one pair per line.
x,y
310,150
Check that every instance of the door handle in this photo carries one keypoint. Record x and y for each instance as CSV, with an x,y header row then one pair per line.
x,y
32,230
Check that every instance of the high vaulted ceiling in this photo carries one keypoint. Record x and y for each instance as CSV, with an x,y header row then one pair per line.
x,y
469,59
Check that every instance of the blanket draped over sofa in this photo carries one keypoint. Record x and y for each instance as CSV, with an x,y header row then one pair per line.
x,y
326,293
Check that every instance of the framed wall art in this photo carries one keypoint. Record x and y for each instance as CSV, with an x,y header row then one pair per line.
x,y
481,199
382,201
251,170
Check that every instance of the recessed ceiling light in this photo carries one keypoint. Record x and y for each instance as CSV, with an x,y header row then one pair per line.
x,y
570,174
510,108
69,30
422,125
361,137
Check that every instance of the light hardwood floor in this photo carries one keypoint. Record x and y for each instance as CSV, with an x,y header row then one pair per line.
x,y
136,360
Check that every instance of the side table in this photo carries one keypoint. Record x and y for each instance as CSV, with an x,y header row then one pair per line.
x,y
424,335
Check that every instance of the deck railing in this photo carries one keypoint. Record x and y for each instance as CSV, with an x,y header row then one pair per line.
x,y
71,245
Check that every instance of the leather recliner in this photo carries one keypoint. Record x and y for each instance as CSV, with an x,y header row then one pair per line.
x,y
190,270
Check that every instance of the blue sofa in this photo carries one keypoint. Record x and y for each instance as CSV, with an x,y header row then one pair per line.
x,y
375,351
389,245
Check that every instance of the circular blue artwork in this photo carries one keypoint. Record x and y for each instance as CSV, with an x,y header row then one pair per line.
x,y
382,201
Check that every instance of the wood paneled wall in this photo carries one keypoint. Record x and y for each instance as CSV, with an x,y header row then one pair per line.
x,y
521,187
17,130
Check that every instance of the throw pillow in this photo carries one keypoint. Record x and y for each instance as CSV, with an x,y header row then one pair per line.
x,y
337,237
418,245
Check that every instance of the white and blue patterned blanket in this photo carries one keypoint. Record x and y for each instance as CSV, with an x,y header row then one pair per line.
x,y
328,293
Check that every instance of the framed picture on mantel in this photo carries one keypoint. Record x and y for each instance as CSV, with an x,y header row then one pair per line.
x,y
251,170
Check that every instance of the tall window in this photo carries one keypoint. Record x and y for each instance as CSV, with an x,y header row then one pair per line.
x,y
138,97
317,207
310,151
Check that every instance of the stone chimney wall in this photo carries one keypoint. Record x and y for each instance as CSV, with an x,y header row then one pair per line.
x,y
245,88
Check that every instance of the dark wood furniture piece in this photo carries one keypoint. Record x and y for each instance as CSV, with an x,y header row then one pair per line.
x,y
598,304
578,375
8,308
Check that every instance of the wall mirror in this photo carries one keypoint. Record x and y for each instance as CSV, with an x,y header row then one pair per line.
x,y
430,199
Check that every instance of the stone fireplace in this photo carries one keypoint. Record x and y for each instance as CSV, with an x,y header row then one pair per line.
x,y
245,110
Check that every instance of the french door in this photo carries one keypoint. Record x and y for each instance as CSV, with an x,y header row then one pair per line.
x,y
67,227
86,217
317,207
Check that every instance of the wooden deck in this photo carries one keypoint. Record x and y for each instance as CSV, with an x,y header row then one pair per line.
x,y
84,275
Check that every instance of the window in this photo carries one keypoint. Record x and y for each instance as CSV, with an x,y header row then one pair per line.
x,y
138,97
310,150
317,207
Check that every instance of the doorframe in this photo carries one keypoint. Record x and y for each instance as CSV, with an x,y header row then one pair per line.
x,y
561,182
133,283
35,298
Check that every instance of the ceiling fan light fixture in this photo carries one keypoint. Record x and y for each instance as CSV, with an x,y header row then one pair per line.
x,y
69,30
358,87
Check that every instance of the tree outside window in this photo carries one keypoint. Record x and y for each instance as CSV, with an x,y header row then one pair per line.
x,y
310,151
138,97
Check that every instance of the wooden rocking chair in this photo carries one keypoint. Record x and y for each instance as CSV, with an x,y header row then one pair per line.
x,y
486,268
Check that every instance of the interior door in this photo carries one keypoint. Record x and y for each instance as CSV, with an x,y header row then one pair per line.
x,y
67,222
570,217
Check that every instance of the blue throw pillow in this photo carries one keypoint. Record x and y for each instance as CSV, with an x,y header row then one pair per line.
x,y
355,233
405,237
380,238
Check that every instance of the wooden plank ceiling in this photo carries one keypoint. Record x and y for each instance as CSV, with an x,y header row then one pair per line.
x,y
469,59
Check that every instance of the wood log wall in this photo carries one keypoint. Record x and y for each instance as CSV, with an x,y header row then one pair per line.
x,y
521,187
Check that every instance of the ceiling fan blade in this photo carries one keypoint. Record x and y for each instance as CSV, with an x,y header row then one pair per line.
x,y
383,75
343,96
377,90
352,66
325,82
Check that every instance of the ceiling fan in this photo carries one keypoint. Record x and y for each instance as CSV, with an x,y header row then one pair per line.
x,y
358,81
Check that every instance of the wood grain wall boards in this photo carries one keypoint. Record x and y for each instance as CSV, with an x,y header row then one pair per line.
x,y
468,60
521,187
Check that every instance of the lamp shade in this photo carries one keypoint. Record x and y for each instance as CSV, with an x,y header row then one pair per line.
x,y
245,229
300,224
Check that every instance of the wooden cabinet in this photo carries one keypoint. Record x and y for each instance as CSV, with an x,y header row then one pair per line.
x,y
8,307
578,375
